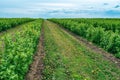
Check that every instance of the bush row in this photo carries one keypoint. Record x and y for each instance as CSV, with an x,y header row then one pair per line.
x,y
108,40
107,24
19,50
12,22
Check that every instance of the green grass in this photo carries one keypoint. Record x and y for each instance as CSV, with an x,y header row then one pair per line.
x,y
68,59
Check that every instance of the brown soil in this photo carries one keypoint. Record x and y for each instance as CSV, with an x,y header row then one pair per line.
x,y
35,70
95,48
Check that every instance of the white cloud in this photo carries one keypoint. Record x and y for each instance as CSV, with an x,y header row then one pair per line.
x,y
16,11
56,4
52,5
58,7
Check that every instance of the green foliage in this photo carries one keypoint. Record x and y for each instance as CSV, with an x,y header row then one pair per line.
x,y
6,23
19,50
66,59
103,32
107,24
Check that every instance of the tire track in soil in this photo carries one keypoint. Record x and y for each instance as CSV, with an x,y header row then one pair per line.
x,y
35,70
93,47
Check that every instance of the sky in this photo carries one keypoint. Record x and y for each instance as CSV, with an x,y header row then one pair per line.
x,y
60,8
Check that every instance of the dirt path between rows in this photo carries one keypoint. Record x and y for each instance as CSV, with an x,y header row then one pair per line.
x,y
94,48
35,70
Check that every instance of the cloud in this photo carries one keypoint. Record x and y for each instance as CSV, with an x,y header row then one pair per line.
x,y
105,4
117,6
56,4
15,11
52,5
59,8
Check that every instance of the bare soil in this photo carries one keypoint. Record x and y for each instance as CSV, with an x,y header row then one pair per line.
x,y
95,48
35,70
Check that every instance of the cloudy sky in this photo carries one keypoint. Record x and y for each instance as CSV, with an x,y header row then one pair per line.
x,y
60,8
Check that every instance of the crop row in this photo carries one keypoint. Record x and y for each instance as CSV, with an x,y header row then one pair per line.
x,y
18,51
6,23
107,24
108,40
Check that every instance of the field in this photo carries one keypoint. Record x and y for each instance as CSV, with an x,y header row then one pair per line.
x,y
59,49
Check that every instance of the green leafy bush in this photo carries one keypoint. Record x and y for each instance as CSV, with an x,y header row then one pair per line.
x,y
19,51
104,33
